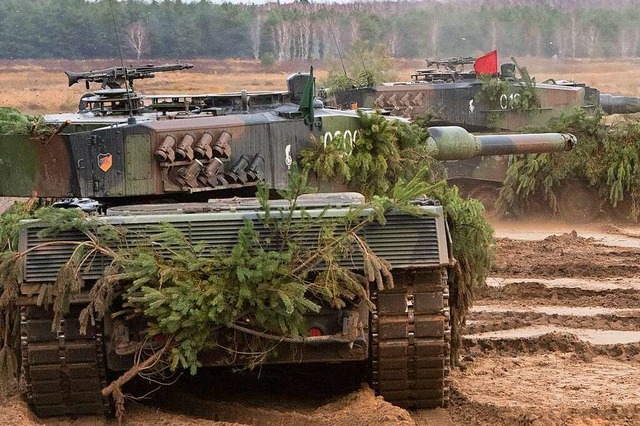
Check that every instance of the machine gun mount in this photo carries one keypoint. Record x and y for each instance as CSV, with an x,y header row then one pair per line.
x,y
115,77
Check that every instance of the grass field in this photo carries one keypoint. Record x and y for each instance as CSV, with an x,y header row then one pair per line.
x,y
39,87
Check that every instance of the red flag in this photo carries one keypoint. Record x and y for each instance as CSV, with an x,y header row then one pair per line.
x,y
487,64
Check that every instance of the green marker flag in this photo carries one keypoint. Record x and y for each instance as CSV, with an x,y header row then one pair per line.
x,y
308,95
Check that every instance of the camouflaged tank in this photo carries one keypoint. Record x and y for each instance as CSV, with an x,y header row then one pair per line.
x,y
449,94
187,161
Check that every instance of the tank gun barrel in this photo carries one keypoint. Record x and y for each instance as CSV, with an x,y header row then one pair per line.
x,y
455,143
612,104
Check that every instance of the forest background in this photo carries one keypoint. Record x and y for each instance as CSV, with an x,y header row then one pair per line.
x,y
306,30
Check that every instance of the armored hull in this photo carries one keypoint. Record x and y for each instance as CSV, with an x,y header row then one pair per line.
x,y
453,97
409,350
459,103
177,167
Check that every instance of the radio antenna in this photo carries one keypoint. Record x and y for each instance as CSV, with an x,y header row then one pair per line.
x,y
131,119
368,74
335,40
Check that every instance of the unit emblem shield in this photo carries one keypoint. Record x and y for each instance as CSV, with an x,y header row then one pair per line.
x,y
105,161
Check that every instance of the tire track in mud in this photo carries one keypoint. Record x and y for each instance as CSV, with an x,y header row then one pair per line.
x,y
483,322
538,294
565,256
555,336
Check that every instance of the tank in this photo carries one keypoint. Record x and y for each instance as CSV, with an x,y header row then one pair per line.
x,y
449,94
198,170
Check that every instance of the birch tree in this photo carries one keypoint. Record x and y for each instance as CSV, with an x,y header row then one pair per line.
x,y
137,38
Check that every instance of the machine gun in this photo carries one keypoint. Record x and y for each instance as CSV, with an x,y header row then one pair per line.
x,y
452,70
451,63
115,77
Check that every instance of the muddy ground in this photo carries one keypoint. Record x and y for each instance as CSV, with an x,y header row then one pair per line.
x,y
554,339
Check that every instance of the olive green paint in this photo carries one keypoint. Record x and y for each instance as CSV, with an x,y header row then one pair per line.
x,y
138,164
18,165
334,123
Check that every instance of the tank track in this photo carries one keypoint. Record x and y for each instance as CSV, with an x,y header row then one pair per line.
x,y
411,337
63,372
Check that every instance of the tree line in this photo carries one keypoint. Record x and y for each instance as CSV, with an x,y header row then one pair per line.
x,y
74,29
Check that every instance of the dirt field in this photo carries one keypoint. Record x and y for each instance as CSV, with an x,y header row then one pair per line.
x,y
553,340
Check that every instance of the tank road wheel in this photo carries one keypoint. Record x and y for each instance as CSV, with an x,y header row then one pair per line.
x,y
578,202
63,372
488,196
410,340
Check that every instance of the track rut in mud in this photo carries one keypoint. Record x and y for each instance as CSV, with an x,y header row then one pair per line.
x,y
554,339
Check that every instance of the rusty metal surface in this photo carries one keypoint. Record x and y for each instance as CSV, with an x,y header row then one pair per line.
x,y
30,166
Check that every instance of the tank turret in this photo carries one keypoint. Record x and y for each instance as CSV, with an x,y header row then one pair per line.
x,y
200,158
450,95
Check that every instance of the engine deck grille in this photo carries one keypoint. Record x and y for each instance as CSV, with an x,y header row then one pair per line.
x,y
405,241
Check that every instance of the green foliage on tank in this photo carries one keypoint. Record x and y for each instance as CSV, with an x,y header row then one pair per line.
x,y
364,65
389,153
14,122
606,157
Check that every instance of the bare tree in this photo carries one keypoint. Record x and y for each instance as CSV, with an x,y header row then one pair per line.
x,y
435,37
594,40
493,33
574,34
137,38
304,30
393,42
283,35
255,32
628,40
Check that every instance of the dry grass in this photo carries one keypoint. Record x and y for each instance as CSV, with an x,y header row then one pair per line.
x,y
616,76
40,87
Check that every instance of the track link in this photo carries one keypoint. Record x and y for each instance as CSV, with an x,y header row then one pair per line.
x,y
63,372
411,340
